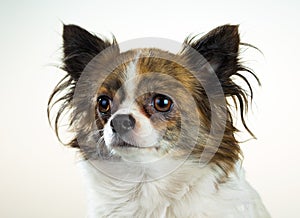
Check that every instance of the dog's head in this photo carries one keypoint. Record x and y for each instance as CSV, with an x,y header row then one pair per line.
x,y
147,103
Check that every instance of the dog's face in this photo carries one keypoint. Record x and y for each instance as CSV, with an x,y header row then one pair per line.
x,y
146,103
141,104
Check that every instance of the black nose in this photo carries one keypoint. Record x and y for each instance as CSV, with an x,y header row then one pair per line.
x,y
122,123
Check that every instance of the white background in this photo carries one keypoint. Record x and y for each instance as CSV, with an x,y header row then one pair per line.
x,y
38,176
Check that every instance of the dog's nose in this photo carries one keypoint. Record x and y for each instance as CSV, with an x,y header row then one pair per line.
x,y
122,123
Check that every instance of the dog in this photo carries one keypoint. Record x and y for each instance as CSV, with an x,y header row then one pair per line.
x,y
155,128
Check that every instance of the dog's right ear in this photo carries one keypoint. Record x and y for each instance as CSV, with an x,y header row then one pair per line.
x,y
80,47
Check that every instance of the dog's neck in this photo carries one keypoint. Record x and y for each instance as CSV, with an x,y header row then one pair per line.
x,y
185,192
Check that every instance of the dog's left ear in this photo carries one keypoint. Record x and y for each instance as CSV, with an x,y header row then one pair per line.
x,y
220,48
80,47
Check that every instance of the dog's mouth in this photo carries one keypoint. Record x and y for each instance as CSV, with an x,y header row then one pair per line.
x,y
135,153
124,144
121,144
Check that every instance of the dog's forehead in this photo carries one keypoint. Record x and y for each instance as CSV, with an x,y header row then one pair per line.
x,y
141,69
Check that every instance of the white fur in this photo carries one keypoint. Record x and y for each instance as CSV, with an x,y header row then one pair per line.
x,y
144,135
190,191
131,76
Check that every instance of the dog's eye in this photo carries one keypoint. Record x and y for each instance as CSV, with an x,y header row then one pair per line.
x,y
104,103
162,103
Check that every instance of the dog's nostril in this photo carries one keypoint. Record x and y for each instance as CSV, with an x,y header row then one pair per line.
x,y
122,123
112,126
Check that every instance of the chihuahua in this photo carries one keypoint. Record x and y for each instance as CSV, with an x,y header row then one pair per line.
x,y
156,128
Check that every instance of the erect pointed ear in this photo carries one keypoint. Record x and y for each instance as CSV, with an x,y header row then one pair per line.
x,y
80,47
220,48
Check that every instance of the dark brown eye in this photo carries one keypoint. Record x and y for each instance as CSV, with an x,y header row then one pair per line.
x,y
104,103
162,103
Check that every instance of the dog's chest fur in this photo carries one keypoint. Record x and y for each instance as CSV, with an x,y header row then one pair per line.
x,y
187,192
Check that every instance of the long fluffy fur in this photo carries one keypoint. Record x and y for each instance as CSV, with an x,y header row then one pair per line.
x,y
217,190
